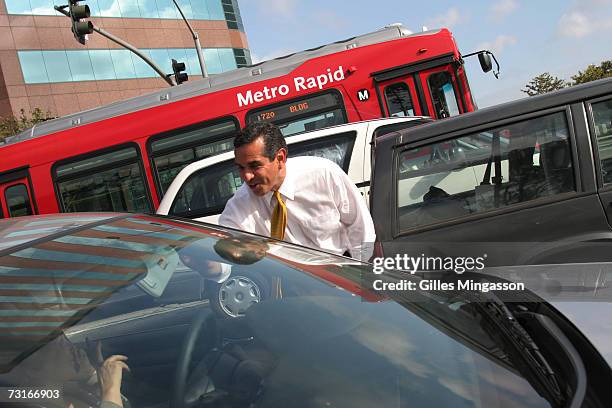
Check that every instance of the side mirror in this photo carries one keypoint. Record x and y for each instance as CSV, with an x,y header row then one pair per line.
x,y
484,57
485,61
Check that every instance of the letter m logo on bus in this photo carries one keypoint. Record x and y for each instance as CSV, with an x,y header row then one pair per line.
x,y
363,95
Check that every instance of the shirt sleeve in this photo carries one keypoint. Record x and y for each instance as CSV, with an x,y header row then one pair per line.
x,y
354,214
232,216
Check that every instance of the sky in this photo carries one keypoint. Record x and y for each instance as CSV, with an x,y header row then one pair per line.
x,y
528,38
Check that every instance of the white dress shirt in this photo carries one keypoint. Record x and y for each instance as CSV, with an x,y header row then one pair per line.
x,y
324,209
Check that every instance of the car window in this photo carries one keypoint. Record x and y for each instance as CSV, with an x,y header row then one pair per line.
x,y
602,116
483,171
206,191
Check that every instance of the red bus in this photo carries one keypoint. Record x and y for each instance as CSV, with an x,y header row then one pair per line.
x,y
122,157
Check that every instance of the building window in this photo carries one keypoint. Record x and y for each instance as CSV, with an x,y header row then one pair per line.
x,y
243,57
232,15
193,9
91,65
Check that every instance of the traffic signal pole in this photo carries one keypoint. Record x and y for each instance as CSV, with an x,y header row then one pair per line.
x,y
125,44
196,40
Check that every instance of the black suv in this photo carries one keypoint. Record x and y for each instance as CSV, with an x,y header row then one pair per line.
x,y
533,170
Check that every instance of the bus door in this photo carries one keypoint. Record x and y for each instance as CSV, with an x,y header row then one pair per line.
x,y
442,93
15,194
398,96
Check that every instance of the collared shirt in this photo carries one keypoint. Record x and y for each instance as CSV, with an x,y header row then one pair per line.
x,y
324,209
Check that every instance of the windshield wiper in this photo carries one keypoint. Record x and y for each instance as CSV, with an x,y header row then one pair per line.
x,y
524,352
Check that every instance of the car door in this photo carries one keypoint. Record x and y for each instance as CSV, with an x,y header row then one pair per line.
x,y
501,188
16,194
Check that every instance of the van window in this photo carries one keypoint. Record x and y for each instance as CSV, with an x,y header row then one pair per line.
x,y
206,191
602,116
443,94
18,200
106,182
483,171
398,100
172,152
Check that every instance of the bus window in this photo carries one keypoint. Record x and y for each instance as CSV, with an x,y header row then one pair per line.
x,y
443,94
399,102
18,200
106,182
171,152
304,114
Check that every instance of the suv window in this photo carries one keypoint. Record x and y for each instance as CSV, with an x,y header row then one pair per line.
x,y
602,116
206,191
482,171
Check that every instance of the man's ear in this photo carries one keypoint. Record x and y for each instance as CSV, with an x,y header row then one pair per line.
x,y
281,155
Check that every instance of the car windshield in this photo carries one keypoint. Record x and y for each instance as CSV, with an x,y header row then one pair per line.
x,y
209,316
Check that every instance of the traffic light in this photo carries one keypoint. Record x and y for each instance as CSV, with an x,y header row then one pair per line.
x,y
80,28
179,76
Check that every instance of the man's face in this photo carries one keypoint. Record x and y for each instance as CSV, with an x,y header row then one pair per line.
x,y
256,170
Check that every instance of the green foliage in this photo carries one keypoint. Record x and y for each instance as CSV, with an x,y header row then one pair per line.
x,y
594,72
544,83
12,125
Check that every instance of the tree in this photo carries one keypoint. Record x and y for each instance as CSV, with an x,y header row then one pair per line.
x,y
544,83
594,72
11,125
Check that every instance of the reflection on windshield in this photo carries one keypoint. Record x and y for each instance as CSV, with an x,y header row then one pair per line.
x,y
272,324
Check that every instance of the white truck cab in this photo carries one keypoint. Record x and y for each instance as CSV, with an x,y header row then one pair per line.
x,y
201,189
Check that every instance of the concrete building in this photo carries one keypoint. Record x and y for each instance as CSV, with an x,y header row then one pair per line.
x,y
43,66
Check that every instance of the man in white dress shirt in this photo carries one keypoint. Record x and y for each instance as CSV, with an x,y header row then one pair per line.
x,y
304,200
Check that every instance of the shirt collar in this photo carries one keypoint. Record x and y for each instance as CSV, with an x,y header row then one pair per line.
x,y
287,189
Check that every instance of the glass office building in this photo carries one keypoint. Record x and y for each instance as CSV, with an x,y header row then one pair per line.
x,y
43,66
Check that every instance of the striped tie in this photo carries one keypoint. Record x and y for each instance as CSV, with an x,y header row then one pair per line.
x,y
279,218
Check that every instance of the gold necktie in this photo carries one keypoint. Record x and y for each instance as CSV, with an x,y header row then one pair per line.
x,y
279,218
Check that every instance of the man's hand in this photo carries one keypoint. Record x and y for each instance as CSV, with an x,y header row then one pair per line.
x,y
109,378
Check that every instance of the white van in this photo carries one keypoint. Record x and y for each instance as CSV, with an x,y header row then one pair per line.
x,y
201,189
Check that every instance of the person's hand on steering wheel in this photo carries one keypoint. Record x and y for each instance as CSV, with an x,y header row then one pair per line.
x,y
110,374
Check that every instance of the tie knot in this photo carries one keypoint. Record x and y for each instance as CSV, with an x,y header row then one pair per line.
x,y
277,195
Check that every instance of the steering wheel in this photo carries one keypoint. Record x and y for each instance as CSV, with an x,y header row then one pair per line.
x,y
183,396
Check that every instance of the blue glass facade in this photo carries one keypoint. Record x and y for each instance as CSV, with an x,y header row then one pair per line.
x,y
193,9
89,65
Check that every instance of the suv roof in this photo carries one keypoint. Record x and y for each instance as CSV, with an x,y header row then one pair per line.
x,y
509,110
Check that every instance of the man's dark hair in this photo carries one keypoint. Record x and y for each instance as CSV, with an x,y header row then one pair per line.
x,y
270,133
